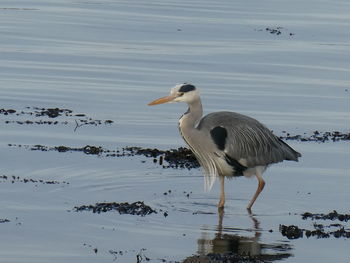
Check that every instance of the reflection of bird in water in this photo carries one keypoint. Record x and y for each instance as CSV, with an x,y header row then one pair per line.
x,y
227,143
237,248
223,243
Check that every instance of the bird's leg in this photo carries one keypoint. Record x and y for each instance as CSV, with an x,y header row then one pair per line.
x,y
258,191
222,193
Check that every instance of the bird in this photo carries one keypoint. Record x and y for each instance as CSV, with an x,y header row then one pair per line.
x,y
225,143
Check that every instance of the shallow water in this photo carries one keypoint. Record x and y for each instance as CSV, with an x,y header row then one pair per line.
x,y
108,59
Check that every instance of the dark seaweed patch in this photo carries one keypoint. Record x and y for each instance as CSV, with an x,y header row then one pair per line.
x,y
16,179
319,231
334,215
136,208
317,136
175,158
94,249
336,230
52,112
80,119
7,112
88,149
291,232
276,31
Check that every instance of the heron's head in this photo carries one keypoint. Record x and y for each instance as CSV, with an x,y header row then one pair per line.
x,y
180,93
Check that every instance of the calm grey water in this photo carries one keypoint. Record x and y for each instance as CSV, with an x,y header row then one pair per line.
x,y
108,59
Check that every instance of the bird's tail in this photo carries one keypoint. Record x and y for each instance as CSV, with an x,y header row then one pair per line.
x,y
290,153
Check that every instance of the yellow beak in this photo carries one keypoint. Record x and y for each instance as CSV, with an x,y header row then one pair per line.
x,y
162,100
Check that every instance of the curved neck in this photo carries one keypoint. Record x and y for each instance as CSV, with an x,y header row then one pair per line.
x,y
193,115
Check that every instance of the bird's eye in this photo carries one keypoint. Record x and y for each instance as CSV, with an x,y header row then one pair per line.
x,y
181,94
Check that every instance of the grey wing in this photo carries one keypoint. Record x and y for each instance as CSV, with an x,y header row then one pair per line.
x,y
245,140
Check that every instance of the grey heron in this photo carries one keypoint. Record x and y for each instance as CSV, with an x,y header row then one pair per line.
x,y
227,144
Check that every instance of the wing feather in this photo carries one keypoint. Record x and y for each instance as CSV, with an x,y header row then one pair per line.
x,y
248,139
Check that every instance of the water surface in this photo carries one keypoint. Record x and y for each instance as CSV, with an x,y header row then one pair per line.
x,y
108,59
